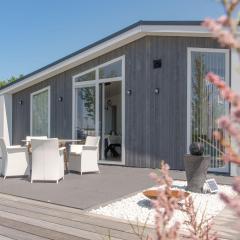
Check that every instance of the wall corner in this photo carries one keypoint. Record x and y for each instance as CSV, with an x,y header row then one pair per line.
x,y
235,85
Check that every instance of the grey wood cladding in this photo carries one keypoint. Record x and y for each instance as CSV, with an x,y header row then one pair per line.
x,y
156,124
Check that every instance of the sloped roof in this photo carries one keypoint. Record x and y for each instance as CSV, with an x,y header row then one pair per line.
x,y
112,36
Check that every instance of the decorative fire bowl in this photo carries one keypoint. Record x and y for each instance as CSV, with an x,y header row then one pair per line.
x,y
152,194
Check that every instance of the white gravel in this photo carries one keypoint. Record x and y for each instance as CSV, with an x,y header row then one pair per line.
x,y
138,208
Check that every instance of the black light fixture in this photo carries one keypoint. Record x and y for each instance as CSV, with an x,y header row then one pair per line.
x,y
157,63
129,92
156,91
60,99
20,102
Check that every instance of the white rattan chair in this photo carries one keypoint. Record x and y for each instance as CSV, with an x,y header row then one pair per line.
x,y
15,160
47,160
84,158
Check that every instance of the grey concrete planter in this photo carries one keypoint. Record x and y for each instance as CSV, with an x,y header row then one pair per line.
x,y
196,171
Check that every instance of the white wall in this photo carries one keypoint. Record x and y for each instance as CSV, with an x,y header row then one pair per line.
x,y
1,115
5,121
6,118
235,84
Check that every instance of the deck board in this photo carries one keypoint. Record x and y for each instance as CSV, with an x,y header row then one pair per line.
x,y
27,231
5,238
9,232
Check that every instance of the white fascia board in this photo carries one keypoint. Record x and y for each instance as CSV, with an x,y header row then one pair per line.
x,y
107,46
176,30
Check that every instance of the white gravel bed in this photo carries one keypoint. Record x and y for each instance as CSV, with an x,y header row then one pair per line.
x,y
138,208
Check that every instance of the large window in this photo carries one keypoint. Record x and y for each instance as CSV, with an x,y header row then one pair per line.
x,y
99,108
40,112
206,103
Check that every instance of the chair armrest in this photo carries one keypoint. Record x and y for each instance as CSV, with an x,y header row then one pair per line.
x,y
89,147
14,149
61,149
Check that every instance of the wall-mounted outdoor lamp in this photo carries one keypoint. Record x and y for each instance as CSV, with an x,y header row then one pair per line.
x,y
20,102
156,91
157,63
60,99
129,92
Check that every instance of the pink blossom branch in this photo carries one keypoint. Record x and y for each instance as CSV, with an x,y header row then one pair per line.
x,y
224,29
165,205
224,36
228,123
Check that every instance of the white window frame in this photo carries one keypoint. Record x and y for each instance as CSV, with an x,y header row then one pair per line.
x,y
96,83
49,106
189,83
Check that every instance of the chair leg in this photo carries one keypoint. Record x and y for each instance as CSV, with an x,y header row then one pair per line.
x,y
4,177
57,181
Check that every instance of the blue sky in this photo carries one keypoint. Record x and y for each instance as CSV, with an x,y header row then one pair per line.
x,y
35,33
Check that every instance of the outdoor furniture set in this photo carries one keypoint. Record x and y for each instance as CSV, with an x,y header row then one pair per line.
x,y
44,160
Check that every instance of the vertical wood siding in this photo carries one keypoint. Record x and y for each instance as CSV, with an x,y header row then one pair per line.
x,y
156,125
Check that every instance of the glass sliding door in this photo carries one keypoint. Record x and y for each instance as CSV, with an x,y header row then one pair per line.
x,y
98,111
40,112
206,103
85,113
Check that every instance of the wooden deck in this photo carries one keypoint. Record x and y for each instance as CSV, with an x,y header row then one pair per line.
x,y
227,225
23,219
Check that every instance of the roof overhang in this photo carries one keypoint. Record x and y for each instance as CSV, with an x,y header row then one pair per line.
x,y
114,41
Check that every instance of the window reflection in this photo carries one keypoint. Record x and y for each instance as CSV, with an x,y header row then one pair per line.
x,y
40,114
207,105
85,118
111,70
86,77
